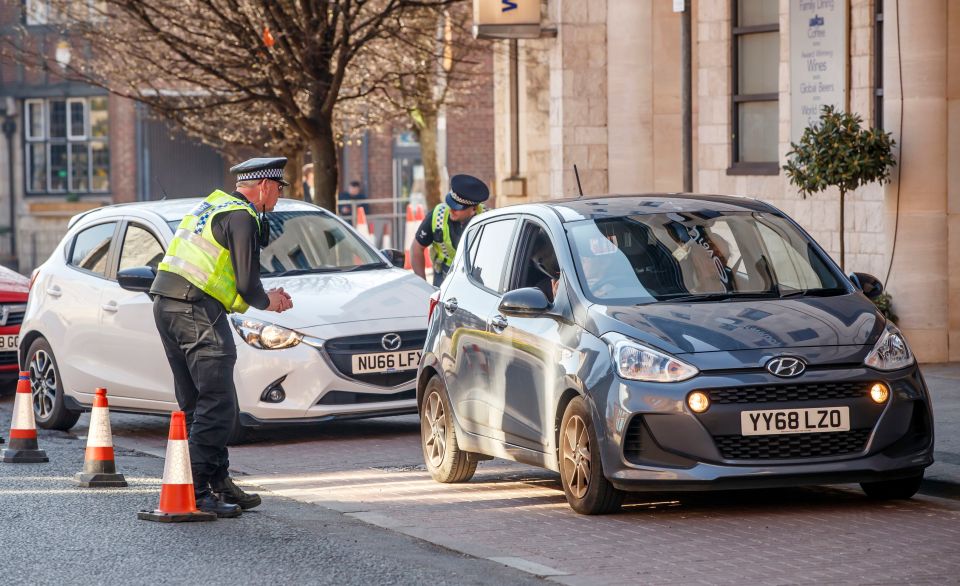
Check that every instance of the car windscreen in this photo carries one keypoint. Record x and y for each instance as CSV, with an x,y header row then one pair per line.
x,y
698,256
305,242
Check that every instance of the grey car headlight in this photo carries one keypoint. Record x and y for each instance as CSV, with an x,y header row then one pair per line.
x,y
890,352
636,361
264,335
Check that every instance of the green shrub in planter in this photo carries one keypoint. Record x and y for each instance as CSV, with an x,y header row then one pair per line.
x,y
838,152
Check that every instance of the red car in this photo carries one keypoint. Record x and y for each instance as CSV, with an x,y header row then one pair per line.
x,y
13,304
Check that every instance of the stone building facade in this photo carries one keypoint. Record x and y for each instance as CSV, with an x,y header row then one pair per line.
x,y
604,94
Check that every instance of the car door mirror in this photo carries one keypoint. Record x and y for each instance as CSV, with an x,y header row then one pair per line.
x,y
396,257
137,279
526,301
870,285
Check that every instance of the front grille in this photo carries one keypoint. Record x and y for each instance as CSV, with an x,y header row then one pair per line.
x,y
791,446
342,350
8,358
348,398
14,313
795,392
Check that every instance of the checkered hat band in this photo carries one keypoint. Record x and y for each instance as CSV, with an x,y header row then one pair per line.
x,y
261,174
460,200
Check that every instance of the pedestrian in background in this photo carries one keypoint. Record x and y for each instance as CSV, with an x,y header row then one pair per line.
x,y
308,183
354,192
212,268
442,228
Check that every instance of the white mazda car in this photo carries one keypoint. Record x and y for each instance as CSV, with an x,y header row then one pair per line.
x,y
349,347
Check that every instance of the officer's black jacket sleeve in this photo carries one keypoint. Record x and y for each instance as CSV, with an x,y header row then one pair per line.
x,y
237,231
425,232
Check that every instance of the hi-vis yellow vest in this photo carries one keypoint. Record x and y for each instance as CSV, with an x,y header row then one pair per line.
x,y
442,252
196,255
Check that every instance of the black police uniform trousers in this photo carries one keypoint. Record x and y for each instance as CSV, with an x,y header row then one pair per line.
x,y
201,351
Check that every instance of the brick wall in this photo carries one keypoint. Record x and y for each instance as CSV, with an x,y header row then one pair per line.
x,y
470,129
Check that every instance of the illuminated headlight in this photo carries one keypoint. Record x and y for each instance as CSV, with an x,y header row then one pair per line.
x,y
890,352
635,361
264,335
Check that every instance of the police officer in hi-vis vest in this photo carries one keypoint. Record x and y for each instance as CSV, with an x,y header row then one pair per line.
x,y
442,228
212,268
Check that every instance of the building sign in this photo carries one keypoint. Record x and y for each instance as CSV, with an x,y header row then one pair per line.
x,y
818,60
506,19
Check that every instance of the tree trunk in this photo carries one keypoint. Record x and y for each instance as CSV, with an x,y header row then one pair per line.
x,y
294,173
843,232
428,154
325,176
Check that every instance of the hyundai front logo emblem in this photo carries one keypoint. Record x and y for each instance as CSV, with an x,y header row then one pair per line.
x,y
391,342
786,366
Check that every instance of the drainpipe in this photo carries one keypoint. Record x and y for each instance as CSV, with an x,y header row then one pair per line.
x,y
9,130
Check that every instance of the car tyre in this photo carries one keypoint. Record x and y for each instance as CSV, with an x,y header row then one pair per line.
x,y
49,408
442,455
901,488
581,472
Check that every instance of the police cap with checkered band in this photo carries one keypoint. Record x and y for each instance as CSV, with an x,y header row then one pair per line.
x,y
466,191
261,168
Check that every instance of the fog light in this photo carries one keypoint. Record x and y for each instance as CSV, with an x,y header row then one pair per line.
x,y
276,395
879,393
698,401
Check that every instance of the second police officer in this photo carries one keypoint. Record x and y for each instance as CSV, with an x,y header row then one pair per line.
x,y
442,228
212,268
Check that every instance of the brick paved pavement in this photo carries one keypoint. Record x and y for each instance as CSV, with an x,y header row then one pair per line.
x,y
372,470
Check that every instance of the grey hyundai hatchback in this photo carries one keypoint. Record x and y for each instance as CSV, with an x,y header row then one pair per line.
x,y
666,342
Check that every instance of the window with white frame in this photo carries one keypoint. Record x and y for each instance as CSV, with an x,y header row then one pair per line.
x,y
39,12
67,145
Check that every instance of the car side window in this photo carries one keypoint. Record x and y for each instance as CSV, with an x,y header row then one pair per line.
x,y
492,252
91,248
537,264
140,249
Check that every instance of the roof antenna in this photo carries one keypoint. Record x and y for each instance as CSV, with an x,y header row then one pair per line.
x,y
579,187
161,189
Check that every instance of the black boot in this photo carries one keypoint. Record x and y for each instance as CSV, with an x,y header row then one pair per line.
x,y
231,493
209,503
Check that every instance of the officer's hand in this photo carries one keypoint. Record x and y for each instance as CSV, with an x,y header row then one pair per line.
x,y
279,301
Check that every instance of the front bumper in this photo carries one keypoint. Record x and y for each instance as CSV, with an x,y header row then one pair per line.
x,y
316,390
654,442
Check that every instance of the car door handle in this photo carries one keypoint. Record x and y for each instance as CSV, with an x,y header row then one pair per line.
x,y
498,322
110,306
54,291
450,305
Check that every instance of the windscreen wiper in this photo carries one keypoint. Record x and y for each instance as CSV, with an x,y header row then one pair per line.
x,y
720,296
821,292
369,265
293,272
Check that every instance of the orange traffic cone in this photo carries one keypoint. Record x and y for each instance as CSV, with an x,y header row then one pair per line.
x,y
386,242
178,504
409,231
23,429
99,468
361,225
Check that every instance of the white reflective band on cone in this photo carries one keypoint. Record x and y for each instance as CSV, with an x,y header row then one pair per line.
x,y
23,413
99,435
176,467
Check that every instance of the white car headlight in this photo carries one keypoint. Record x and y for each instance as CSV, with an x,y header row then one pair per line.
x,y
264,335
890,352
635,361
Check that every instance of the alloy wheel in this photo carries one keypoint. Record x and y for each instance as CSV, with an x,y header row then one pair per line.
x,y
43,384
435,439
576,456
